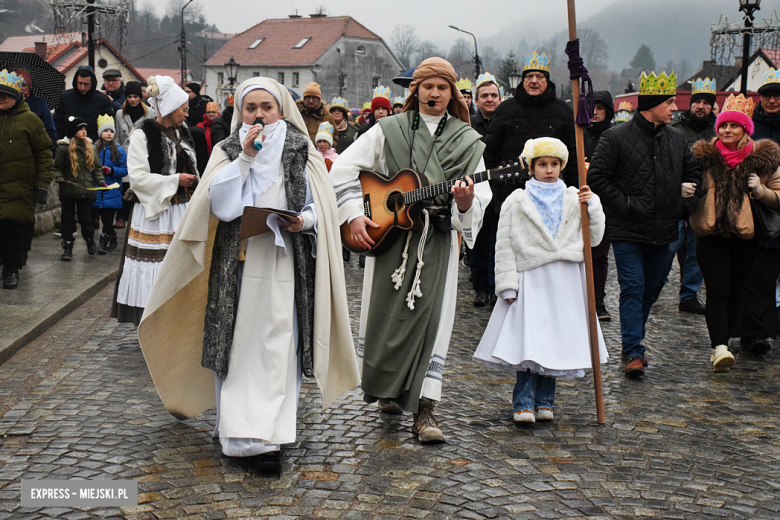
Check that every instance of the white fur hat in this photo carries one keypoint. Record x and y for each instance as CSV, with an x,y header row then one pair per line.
x,y
545,147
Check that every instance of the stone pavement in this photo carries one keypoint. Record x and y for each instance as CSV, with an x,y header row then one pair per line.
x,y
49,289
683,442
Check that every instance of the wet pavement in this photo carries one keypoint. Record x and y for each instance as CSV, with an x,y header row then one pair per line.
x,y
682,442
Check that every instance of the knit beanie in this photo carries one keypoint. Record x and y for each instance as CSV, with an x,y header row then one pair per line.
x,y
381,101
73,125
133,88
313,90
709,98
649,102
105,122
195,87
737,109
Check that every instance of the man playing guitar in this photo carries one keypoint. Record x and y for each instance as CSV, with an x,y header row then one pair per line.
x,y
409,290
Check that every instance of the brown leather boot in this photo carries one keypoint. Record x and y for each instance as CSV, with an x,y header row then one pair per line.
x,y
425,426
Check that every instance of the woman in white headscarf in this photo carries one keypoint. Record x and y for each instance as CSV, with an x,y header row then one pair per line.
x,y
253,315
162,169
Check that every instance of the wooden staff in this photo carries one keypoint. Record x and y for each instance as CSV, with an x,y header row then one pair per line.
x,y
595,359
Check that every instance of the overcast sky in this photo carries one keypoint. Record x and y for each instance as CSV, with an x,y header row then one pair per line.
x,y
431,17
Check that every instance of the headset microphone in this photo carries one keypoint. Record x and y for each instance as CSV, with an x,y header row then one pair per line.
x,y
430,103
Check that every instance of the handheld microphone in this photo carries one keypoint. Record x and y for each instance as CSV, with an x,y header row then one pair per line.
x,y
258,144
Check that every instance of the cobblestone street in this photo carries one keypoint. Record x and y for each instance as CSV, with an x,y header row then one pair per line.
x,y
681,443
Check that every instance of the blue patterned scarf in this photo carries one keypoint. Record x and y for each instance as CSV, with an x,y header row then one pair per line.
x,y
548,199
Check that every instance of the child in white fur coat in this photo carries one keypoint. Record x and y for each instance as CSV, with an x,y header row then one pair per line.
x,y
539,327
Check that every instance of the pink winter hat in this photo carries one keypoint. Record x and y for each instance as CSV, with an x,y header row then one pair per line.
x,y
737,109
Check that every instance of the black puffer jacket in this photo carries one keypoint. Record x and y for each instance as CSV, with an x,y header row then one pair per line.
x,y
220,127
767,125
525,117
695,130
637,171
86,106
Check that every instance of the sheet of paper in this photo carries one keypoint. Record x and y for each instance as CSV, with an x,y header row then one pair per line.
x,y
255,220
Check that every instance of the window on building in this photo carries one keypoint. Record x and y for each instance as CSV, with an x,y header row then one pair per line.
x,y
256,43
220,78
255,74
280,78
360,50
296,79
302,42
375,82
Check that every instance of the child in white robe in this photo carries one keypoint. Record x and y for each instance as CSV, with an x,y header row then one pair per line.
x,y
539,327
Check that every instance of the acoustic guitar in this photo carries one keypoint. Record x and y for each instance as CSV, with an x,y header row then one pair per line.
x,y
396,203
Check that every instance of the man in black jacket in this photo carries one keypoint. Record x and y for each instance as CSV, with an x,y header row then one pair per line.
x,y
696,123
482,257
766,116
114,88
83,101
647,179
220,127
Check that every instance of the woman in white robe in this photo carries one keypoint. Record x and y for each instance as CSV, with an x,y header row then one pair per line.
x,y
256,349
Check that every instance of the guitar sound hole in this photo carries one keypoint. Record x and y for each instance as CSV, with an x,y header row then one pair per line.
x,y
395,202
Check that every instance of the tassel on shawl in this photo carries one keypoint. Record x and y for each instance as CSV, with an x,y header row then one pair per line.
x,y
398,275
415,291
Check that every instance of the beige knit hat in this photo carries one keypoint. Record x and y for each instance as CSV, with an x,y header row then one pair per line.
x,y
313,89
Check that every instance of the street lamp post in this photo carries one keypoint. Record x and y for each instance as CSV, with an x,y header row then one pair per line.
x,y
748,7
183,48
514,79
477,62
231,67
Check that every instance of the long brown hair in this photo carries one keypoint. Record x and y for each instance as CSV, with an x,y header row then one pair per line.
x,y
89,154
112,145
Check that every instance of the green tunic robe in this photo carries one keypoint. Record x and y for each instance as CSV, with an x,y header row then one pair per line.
x,y
398,340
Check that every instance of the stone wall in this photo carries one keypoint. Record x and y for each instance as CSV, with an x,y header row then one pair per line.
x,y
47,214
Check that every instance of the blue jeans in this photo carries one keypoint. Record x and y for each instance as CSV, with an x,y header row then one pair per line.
x,y
533,390
640,268
691,278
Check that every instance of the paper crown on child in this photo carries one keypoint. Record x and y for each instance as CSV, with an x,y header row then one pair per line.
x,y
399,100
625,105
545,147
339,102
105,122
737,109
660,85
367,106
486,77
464,85
10,83
381,98
324,133
536,61
770,81
622,117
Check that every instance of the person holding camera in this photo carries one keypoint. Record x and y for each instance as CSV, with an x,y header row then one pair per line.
x,y
163,173
404,336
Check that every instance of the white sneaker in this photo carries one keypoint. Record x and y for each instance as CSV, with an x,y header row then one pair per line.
x,y
525,416
722,360
544,414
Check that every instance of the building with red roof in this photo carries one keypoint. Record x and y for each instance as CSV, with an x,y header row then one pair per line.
x,y
297,50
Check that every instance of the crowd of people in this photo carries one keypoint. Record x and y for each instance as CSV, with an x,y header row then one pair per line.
x,y
262,309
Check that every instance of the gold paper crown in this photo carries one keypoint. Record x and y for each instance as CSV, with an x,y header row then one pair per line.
x,y
770,76
625,105
10,79
537,61
739,104
704,86
661,85
103,119
325,127
367,105
463,84
339,102
381,91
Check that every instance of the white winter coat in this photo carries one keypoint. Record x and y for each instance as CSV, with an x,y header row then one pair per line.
x,y
524,243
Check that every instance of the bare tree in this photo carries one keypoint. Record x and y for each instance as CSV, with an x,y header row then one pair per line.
x,y
593,49
425,50
405,42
